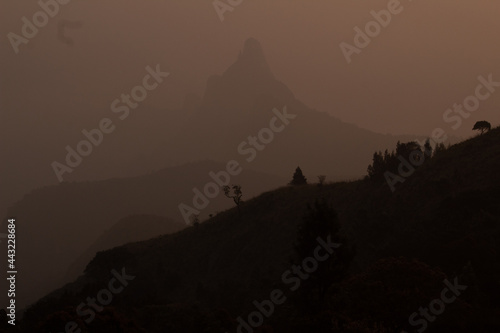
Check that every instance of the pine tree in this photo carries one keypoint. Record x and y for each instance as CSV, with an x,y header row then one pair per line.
x,y
320,222
440,147
428,148
298,178
378,167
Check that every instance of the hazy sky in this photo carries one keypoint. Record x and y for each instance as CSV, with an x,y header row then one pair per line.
x,y
427,59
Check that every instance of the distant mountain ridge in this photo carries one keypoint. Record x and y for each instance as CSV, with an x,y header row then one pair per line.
x,y
58,224
239,103
130,229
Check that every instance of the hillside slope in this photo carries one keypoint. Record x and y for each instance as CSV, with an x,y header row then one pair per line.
x,y
446,216
56,224
130,229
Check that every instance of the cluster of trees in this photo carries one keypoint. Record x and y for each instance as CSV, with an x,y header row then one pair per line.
x,y
409,151
383,162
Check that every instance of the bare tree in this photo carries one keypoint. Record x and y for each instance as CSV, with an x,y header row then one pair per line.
x,y
196,220
234,193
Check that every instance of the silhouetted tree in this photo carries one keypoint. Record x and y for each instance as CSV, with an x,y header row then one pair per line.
x,y
428,148
382,163
321,180
236,194
482,126
196,220
440,147
405,149
320,222
378,167
298,178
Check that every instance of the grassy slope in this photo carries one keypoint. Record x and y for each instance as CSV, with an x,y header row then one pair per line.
x,y
445,214
59,223
132,228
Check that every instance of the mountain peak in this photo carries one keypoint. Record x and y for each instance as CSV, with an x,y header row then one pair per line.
x,y
247,78
251,59
252,49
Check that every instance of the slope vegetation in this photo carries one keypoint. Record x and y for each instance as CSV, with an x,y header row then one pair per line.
x,y
442,222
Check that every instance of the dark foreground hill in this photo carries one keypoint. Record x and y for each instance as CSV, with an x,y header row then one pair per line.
x,y
440,228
